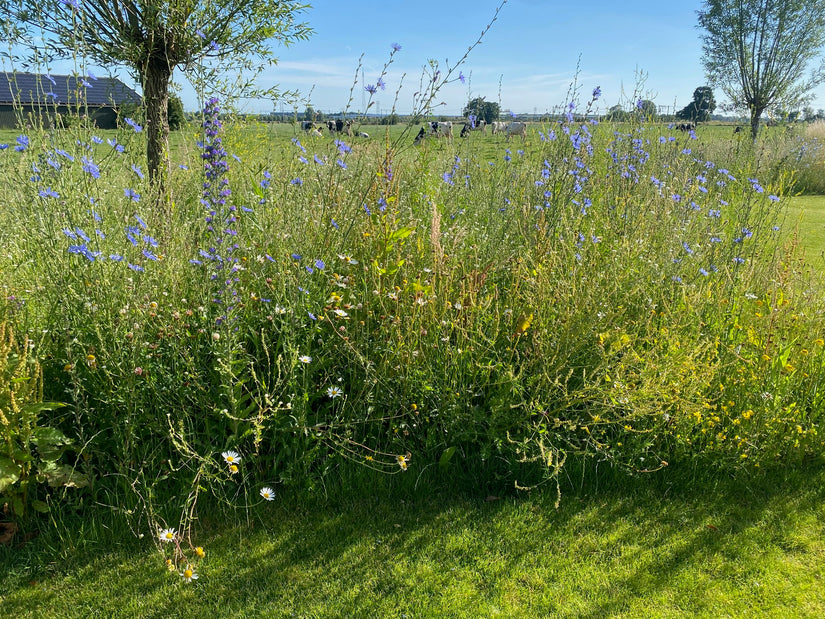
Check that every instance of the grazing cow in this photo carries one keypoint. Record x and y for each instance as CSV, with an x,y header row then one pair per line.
x,y
307,125
340,126
498,127
474,125
737,129
364,134
685,127
516,128
438,129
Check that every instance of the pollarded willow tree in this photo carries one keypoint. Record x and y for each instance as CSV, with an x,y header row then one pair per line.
x,y
758,51
152,38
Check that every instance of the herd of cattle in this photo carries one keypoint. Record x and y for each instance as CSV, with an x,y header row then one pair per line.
x,y
433,129
344,127
444,128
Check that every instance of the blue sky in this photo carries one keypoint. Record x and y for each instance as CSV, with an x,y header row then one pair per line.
x,y
526,62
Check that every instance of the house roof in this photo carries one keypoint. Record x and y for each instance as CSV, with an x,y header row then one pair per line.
x,y
42,89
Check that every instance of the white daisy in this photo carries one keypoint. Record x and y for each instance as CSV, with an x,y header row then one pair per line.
x,y
268,493
189,574
231,457
167,535
335,392
305,359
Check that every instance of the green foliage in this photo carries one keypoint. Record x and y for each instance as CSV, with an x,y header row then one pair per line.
x,y
647,109
702,106
608,293
488,111
177,117
30,453
617,114
204,39
757,51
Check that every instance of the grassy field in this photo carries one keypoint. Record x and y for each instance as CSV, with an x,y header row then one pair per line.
x,y
459,319
807,213
616,547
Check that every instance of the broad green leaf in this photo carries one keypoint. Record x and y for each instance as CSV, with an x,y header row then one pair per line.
x,y
445,458
9,472
39,506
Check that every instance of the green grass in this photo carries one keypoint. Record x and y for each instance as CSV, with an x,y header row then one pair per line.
x,y
808,213
616,363
637,548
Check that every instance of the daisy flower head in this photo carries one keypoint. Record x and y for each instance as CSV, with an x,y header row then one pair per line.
x,y
305,359
200,552
334,392
267,493
167,535
402,461
189,574
231,457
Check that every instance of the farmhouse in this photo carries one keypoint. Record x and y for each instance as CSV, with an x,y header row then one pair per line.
x,y
40,97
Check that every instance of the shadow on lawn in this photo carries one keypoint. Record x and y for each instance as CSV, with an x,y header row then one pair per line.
x,y
435,555
604,552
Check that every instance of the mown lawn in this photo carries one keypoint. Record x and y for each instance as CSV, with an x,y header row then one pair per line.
x,y
806,217
647,547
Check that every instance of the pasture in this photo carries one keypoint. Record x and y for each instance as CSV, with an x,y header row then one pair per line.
x,y
521,351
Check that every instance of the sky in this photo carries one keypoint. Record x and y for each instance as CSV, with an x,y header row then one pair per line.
x,y
528,61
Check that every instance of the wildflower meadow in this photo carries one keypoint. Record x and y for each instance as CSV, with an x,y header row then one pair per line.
x,y
619,295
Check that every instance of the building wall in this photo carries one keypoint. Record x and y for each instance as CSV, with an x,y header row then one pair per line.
x,y
102,117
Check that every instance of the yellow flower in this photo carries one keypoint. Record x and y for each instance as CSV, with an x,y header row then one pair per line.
x,y
200,552
402,461
747,414
233,468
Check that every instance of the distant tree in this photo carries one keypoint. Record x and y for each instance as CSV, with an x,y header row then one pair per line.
x,y
702,106
757,51
177,118
309,113
647,109
617,114
152,38
488,111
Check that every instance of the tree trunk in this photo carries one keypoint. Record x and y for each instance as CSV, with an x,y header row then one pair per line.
x,y
156,76
756,114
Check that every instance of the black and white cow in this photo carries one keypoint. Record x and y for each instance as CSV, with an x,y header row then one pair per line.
x,y
310,128
685,127
498,126
340,126
437,129
474,125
